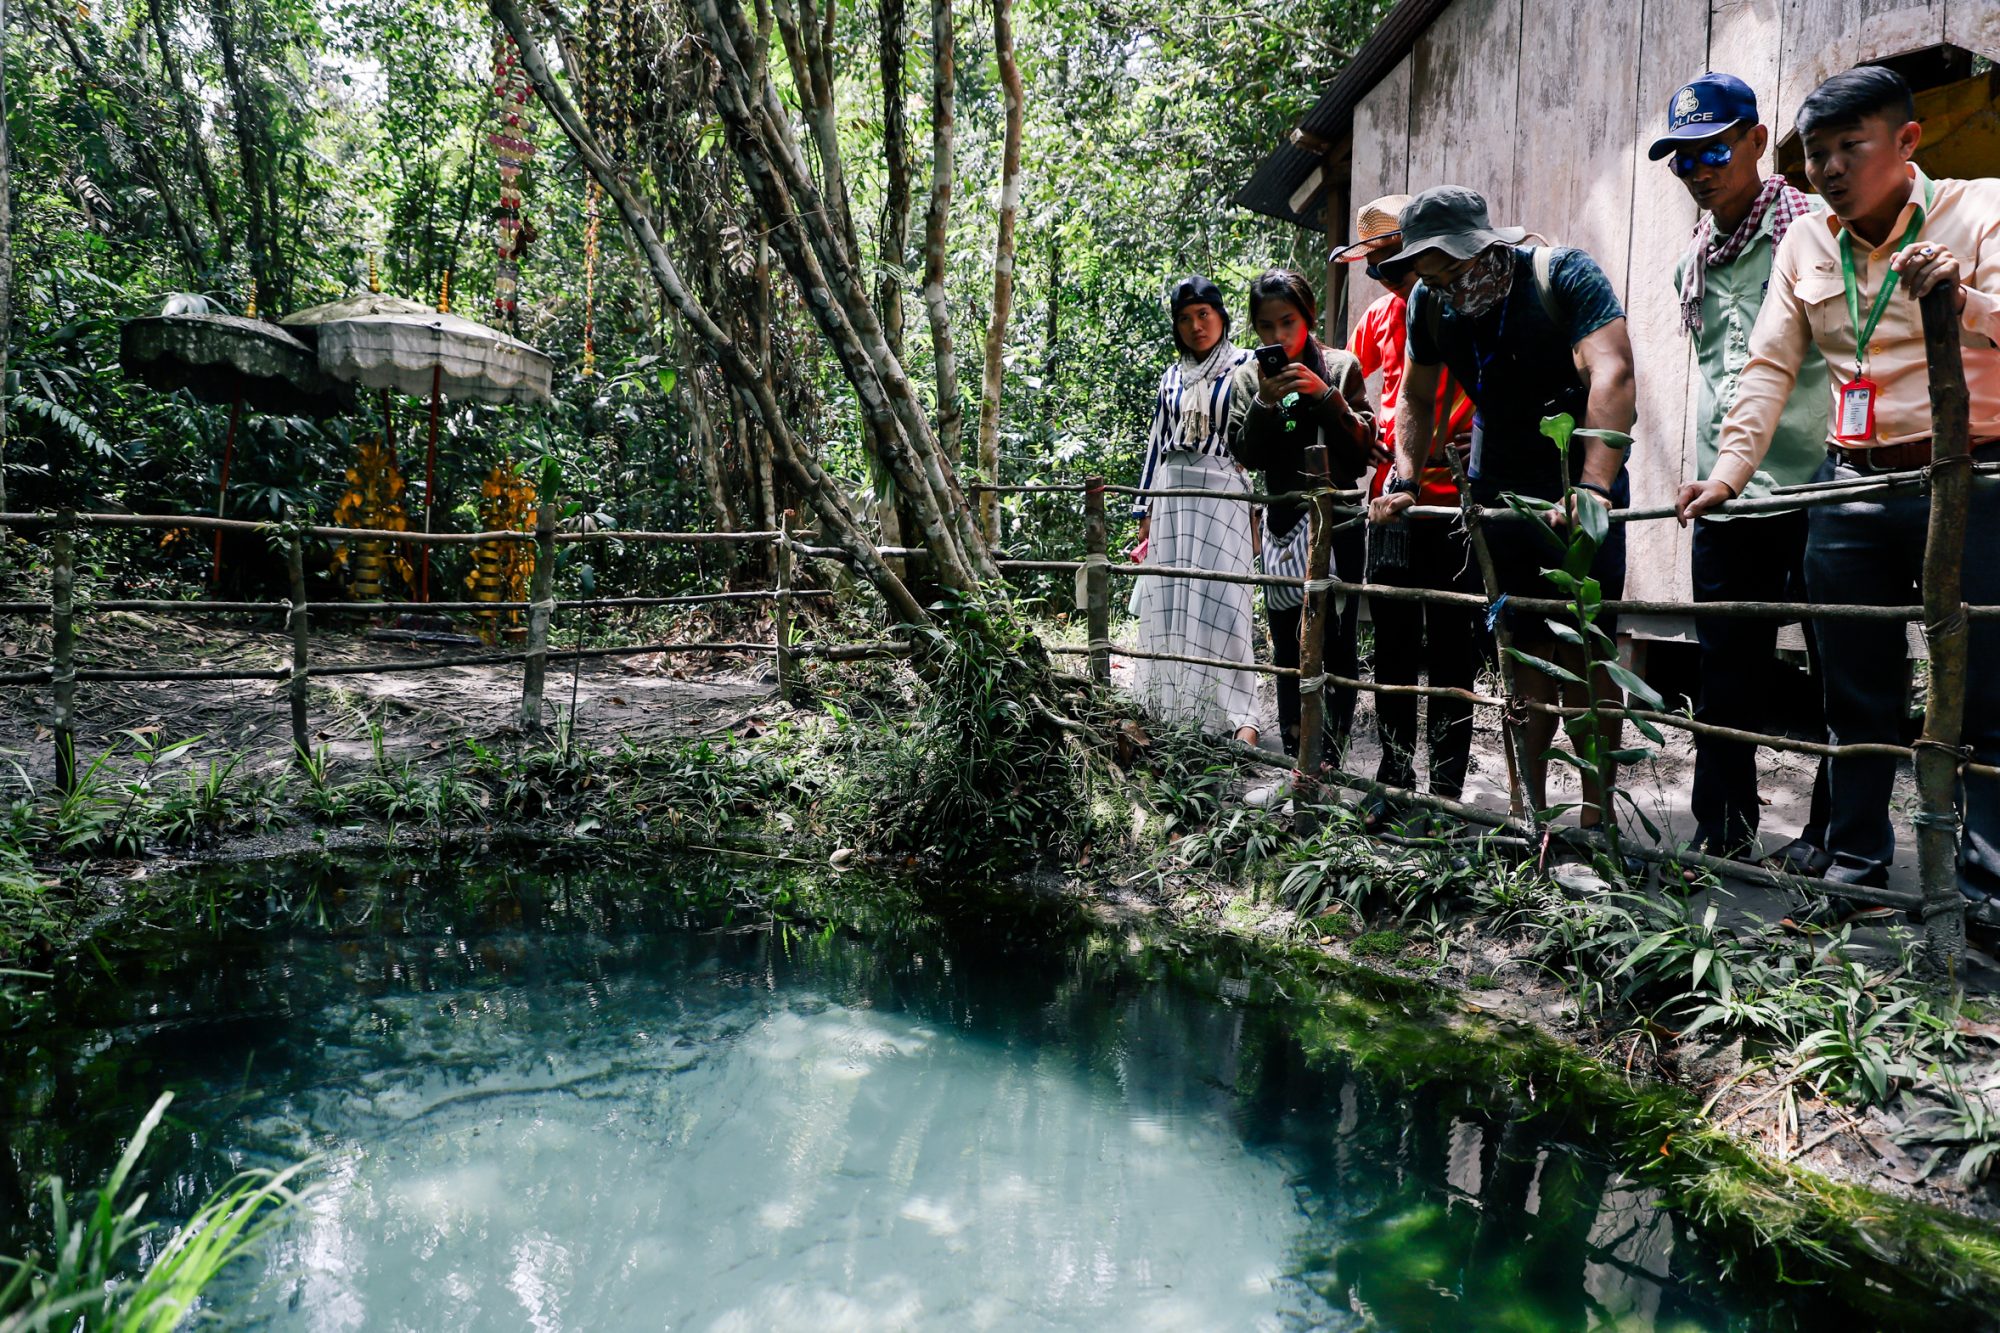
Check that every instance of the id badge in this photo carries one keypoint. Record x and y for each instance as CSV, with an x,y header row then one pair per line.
x,y
1856,418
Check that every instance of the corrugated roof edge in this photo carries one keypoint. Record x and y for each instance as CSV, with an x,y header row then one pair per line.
x,y
1270,189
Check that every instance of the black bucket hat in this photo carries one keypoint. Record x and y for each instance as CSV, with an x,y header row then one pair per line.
x,y
1451,220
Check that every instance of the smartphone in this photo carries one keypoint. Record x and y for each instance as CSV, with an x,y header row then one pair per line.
x,y
1272,358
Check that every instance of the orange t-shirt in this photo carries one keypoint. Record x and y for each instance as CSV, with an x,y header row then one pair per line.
x,y
1380,343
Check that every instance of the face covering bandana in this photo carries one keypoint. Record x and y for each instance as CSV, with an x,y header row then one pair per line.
x,y
1484,285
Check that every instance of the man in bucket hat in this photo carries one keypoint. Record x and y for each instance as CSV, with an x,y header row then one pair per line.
x,y
1412,638
1529,331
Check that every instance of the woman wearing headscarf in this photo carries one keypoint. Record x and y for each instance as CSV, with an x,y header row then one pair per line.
x,y
1317,396
1188,449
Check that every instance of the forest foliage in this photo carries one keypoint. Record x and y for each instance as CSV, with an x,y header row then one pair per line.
x,y
279,151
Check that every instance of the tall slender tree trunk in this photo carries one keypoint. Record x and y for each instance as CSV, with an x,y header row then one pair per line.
x,y
243,117
937,227
1052,328
838,521
6,250
195,144
142,139
1003,271
835,294
896,160
895,229
767,481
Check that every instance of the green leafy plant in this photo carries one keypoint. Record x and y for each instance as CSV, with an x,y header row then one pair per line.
x,y
215,801
322,798
1595,754
84,1281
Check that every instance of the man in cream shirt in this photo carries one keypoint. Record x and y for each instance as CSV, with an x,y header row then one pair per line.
x,y
1847,283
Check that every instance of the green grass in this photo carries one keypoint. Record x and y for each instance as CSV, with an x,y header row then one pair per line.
x,y
1378,944
84,1278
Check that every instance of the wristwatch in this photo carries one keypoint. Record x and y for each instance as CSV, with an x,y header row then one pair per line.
x,y
1402,486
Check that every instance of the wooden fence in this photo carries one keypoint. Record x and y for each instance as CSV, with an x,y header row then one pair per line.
x,y
64,610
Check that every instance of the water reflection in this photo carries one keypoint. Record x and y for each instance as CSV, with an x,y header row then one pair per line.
x,y
551,1101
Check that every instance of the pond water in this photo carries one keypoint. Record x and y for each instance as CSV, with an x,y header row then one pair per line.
x,y
565,1100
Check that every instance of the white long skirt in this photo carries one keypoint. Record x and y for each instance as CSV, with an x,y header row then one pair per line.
x,y
1198,617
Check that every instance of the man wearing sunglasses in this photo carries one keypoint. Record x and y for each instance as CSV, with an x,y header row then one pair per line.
x,y
1714,143
1847,283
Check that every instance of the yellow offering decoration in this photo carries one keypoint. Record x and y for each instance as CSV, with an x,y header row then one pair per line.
x,y
374,499
501,570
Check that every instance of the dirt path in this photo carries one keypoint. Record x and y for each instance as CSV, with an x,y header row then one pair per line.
x,y
420,713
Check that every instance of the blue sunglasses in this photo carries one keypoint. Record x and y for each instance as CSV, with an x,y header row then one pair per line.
x,y
1715,155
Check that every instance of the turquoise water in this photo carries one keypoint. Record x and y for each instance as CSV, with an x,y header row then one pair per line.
x,y
563,1101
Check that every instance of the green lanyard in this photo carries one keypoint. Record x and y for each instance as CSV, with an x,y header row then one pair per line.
x,y
1863,334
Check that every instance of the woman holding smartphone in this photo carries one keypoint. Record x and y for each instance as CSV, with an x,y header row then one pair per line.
x,y
1291,395
1187,449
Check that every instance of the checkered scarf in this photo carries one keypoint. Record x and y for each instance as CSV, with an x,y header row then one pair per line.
x,y
1785,205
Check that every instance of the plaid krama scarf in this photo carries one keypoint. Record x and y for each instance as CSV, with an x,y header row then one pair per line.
x,y
1786,206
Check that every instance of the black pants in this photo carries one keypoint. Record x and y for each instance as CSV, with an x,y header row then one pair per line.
x,y
1747,560
1437,641
1871,551
1337,652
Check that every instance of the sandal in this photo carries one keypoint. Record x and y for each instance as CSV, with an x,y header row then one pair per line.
x,y
1799,857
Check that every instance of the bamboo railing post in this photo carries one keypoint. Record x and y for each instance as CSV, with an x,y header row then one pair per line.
x,y
1312,642
781,607
1097,579
295,617
1946,632
1513,726
541,605
62,652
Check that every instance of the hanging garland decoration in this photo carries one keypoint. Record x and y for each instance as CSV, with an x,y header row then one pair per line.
x,y
511,148
621,86
606,89
590,234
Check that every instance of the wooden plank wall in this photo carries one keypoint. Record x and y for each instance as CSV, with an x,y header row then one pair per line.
x,y
1546,107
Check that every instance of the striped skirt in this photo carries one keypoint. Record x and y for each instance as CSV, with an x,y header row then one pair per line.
x,y
1196,617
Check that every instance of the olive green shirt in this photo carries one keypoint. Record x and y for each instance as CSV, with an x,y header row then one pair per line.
x,y
1732,295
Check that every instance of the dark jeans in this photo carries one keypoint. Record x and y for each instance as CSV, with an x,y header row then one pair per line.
x,y
1871,551
1745,560
1338,653
1437,641
1521,551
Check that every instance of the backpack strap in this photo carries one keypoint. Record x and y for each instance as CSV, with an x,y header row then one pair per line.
x,y
1543,259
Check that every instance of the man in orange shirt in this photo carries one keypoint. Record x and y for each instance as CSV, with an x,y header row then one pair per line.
x,y
1410,637
1847,282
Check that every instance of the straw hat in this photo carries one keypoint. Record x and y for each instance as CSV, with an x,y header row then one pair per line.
x,y
1378,229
